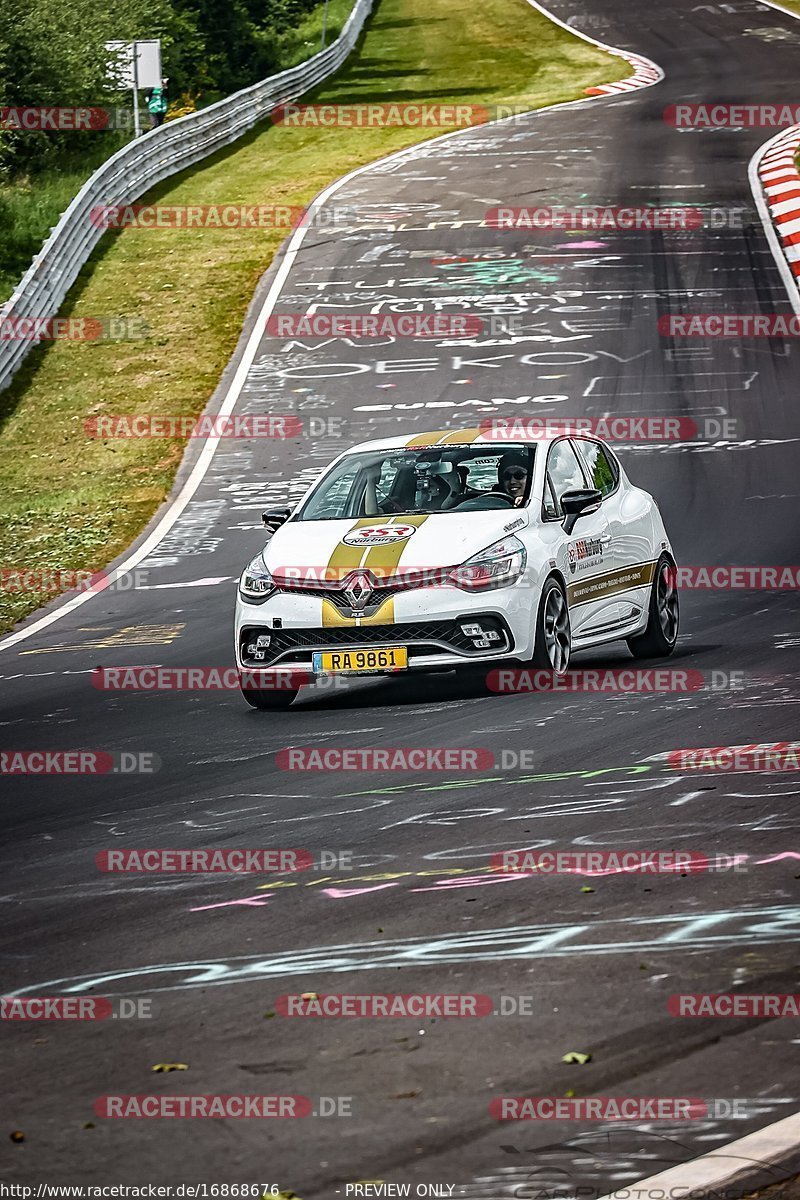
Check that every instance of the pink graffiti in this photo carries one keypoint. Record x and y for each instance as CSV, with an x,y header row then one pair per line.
x,y
342,893
462,881
581,246
253,901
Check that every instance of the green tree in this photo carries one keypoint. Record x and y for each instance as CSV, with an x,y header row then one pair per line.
x,y
52,52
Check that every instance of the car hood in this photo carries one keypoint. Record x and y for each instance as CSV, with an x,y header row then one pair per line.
x,y
388,545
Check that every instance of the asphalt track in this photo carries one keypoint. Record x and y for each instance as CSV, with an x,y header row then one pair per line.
x,y
215,952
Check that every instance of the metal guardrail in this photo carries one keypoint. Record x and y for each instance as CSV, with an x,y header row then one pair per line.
x,y
137,167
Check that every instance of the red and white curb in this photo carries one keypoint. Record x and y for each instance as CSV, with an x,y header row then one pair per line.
x,y
645,74
751,1163
780,180
775,181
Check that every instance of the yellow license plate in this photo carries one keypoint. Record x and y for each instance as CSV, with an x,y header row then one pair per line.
x,y
389,658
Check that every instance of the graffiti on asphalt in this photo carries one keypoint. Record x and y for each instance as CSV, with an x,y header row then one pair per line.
x,y
530,943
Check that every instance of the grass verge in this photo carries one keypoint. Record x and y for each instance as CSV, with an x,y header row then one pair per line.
x,y
72,503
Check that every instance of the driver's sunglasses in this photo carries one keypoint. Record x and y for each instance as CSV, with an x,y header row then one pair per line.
x,y
515,474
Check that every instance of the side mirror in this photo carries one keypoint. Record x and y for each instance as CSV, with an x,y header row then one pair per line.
x,y
579,504
273,518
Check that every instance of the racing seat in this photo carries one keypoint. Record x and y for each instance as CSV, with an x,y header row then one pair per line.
x,y
401,493
455,481
444,489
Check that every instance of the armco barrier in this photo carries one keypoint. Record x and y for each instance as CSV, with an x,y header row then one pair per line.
x,y
143,163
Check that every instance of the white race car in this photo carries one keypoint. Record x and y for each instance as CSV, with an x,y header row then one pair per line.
x,y
449,550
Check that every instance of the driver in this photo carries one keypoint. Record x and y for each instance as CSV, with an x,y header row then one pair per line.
x,y
512,475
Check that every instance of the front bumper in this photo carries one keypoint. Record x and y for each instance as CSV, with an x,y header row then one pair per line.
x,y
291,628
430,643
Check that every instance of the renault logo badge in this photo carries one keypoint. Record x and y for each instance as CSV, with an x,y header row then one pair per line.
x,y
357,590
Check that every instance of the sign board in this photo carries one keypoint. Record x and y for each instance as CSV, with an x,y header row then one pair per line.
x,y
148,64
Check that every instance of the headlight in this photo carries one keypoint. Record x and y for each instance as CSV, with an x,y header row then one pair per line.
x,y
256,582
498,565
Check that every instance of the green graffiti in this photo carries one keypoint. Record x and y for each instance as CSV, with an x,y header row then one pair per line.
x,y
453,784
493,272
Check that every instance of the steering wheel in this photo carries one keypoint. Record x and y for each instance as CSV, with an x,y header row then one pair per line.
x,y
484,495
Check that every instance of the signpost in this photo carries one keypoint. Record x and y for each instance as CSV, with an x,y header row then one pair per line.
x,y
137,65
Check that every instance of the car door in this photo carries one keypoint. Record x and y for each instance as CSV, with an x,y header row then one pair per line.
x,y
584,556
629,524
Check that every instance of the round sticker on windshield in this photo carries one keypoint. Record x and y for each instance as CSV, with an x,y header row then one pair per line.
x,y
378,535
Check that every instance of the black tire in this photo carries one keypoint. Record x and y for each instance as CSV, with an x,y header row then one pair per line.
x,y
553,643
269,701
663,615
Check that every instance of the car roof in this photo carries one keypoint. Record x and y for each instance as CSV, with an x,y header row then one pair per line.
x,y
465,437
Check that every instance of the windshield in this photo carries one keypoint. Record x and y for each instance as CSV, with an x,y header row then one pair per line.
x,y
445,479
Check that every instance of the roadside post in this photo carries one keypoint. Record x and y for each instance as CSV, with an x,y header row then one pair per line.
x,y
137,65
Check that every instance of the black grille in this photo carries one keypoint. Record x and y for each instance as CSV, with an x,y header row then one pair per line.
x,y
337,596
424,635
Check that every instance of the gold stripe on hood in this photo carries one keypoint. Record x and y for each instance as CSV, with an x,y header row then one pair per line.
x,y
346,558
381,560
444,437
421,440
461,437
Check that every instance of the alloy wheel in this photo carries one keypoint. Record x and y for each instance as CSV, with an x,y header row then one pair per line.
x,y
556,630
